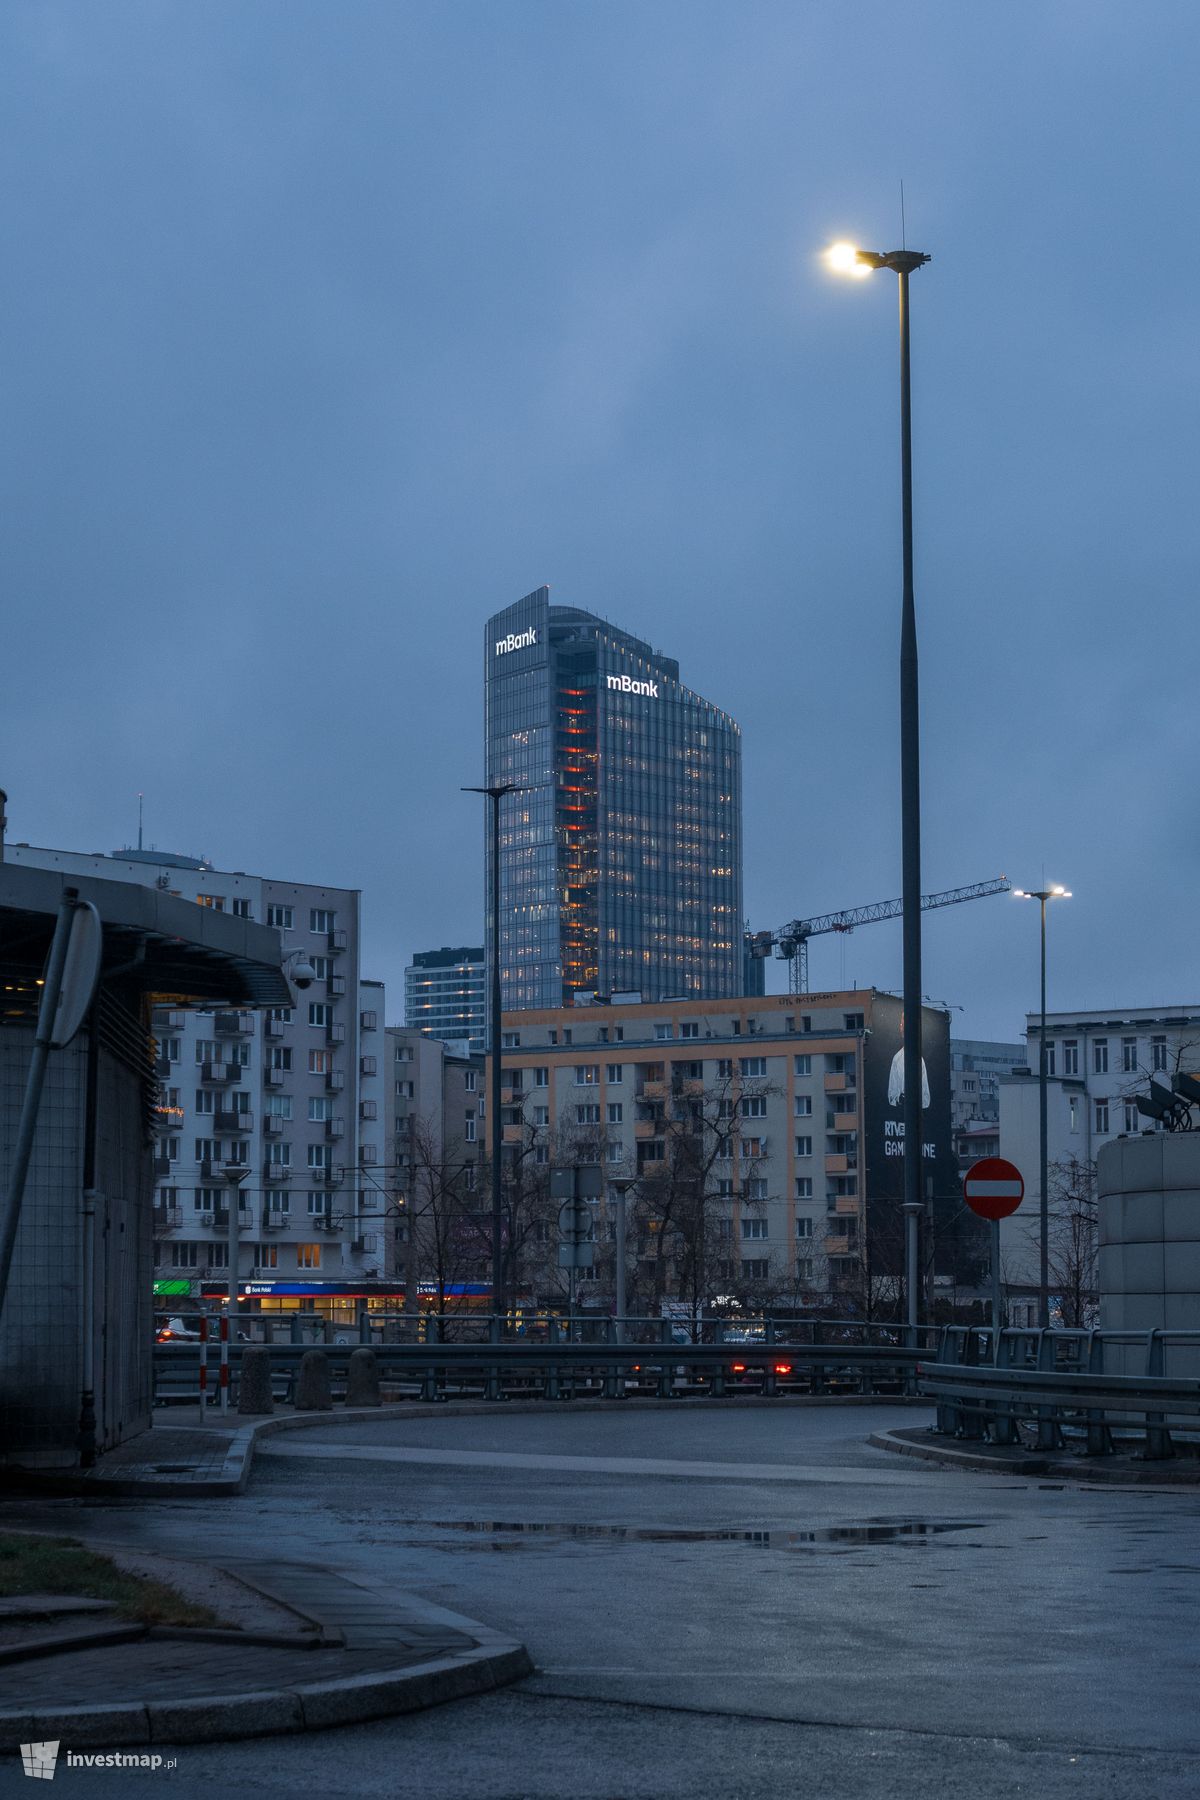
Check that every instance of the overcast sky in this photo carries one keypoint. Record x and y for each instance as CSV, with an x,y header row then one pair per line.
x,y
329,327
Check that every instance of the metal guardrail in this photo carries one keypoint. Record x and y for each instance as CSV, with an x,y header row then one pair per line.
x,y
987,1385
566,1368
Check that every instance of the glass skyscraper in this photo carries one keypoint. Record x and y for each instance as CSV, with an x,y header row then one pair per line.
x,y
621,863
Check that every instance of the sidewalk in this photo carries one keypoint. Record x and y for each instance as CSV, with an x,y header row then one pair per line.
x,y
373,1655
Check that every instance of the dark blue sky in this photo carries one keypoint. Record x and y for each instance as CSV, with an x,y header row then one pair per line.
x,y
328,329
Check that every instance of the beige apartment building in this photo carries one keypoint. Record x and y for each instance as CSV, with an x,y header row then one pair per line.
x,y
772,1127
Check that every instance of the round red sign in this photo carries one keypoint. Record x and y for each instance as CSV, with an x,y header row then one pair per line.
x,y
993,1188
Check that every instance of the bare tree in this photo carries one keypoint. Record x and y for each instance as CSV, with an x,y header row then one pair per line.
x,y
1074,1239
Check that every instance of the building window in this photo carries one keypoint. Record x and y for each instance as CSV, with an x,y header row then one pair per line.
x,y
321,919
1131,1116
541,1115
1158,1054
280,917
1100,1056
308,1256
616,1112
1102,1115
804,1189
725,1069
615,1073
1129,1056
541,1153
689,1029
803,1146
240,909
215,901
755,1189
753,1147
204,1199
754,1106
281,1057
1070,1056
266,1256
587,1115
469,1128
804,1228
468,1081
804,1106
587,1074
183,1256
615,1153
804,1269
755,1268
753,1066
510,1040
664,1031
320,1108
541,1078
802,1065
282,1013
1050,1059
279,1155
854,1021
1073,1114
319,1014
754,1228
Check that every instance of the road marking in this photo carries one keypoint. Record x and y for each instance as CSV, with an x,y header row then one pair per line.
x,y
599,1465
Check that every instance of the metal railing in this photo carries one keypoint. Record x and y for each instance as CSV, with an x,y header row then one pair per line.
x,y
988,1385
567,1359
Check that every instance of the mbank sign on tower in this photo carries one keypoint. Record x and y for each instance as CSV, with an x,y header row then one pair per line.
x,y
621,862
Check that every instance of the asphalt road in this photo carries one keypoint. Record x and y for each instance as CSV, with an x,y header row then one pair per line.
x,y
723,1603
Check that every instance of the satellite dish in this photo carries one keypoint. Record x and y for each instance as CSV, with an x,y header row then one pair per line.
x,y
81,972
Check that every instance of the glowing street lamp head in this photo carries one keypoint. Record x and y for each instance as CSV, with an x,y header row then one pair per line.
x,y
843,260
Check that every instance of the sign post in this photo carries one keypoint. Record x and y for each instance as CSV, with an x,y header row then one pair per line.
x,y
993,1189
575,1187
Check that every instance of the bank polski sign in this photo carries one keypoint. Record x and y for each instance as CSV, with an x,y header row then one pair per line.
x,y
625,684
517,640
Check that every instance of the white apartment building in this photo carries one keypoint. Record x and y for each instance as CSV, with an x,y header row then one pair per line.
x,y
1097,1063
435,1137
295,1097
976,1067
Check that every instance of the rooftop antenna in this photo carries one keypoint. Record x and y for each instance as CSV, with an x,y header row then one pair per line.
x,y
141,797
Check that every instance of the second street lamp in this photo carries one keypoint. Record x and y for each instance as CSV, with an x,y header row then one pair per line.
x,y
1044,895
847,259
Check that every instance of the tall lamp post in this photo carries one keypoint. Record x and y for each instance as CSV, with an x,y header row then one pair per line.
x,y
847,259
1044,895
495,794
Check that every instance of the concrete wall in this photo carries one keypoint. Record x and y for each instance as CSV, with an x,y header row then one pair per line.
x,y
1149,1190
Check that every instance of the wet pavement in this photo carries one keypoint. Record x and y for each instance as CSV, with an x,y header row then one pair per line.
x,y
729,1602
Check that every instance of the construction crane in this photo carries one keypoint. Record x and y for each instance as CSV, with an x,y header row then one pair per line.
x,y
791,941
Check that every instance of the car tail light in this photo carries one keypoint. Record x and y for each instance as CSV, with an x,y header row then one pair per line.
x,y
739,1368
783,1368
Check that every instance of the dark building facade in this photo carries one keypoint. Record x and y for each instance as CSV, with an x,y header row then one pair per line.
x,y
443,993
621,863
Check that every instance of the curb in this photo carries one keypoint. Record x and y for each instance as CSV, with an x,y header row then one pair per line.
x,y
1089,1472
307,1706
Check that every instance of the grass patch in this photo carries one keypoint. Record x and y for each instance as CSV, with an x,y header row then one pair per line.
x,y
46,1565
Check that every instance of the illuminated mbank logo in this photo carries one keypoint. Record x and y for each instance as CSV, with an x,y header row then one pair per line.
x,y
625,684
516,640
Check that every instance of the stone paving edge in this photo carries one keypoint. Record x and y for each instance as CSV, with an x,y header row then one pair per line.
x,y
1030,1464
306,1706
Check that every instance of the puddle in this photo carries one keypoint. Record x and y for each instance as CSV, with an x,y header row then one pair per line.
x,y
837,1537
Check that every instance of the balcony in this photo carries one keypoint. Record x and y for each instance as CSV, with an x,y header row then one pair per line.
x,y
335,1034
168,1218
840,1165
653,1090
274,1218
276,1078
234,1024
840,1245
368,1109
167,1019
214,1218
842,1121
511,1096
368,1065
163,1067
327,1221
218,1073
335,1081
273,1028
335,1128
645,1129
273,1126
846,1204
233,1121
162,1167
511,1134
329,1177
335,987
368,1154
835,1084
336,942
277,1172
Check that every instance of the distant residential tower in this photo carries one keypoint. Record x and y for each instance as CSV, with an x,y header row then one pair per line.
x,y
443,994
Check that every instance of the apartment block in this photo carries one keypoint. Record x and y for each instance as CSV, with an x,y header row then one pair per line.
x,y
294,1097
435,1139
784,1115
443,994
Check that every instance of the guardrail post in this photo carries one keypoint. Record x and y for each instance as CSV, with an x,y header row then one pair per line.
x,y
1099,1437
203,1364
494,1389
223,1377
1159,1447
1003,1425
665,1376
551,1388
1049,1436
717,1386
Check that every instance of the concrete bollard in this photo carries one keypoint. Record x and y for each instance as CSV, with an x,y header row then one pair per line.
x,y
312,1385
362,1379
254,1387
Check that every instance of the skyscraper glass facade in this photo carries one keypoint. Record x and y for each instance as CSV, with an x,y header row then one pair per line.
x,y
621,861
443,994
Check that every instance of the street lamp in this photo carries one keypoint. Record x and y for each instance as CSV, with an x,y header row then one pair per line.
x,y
1044,895
495,794
847,259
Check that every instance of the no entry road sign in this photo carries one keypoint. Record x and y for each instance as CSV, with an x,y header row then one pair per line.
x,y
993,1187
